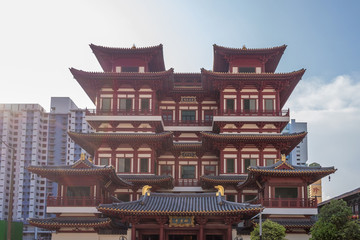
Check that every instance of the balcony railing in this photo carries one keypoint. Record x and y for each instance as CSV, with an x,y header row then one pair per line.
x,y
289,202
241,112
75,201
187,123
187,183
131,112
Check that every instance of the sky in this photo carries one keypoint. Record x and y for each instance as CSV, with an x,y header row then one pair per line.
x,y
40,40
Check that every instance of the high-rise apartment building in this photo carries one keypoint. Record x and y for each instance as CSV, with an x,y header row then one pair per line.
x,y
24,129
299,155
64,116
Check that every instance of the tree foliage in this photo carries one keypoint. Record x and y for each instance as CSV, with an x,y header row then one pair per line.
x,y
270,231
335,223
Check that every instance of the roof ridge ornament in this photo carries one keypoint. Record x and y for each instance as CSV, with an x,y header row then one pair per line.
x,y
146,190
82,157
220,191
244,47
283,158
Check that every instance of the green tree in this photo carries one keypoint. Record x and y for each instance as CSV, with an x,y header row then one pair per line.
x,y
270,231
335,223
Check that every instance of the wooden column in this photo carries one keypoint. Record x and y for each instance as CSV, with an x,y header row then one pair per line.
x,y
162,220
201,221
229,232
176,169
115,98
135,159
221,102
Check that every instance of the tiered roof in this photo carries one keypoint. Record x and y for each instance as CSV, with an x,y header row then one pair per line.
x,y
92,141
162,181
271,56
91,82
106,56
285,142
82,167
179,204
70,222
224,180
284,82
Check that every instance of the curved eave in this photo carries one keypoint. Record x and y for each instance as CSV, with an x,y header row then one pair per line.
x,y
91,82
114,211
253,138
156,181
91,141
106,54
208,182
55,173
313,174
253,76
56,223
273,53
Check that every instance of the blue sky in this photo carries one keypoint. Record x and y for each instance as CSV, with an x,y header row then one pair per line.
x,y
41,39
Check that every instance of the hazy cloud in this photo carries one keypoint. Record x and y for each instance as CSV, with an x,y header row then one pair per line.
x,y
332,110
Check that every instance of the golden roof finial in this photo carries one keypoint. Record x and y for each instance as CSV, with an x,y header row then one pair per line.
x,y
244,47
82,156
220,190
90,159
133,46
283,158
146,190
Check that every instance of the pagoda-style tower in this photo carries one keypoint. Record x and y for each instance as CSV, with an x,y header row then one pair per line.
x,y
183,135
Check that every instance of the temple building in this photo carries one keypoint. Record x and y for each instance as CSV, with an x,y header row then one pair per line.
x,y
182,155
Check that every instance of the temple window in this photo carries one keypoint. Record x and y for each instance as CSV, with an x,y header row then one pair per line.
x,y
249,105
78,191
249,197
230,165
117,69
269,105
188,115
130,69
166,170
246,69
145,104
208,115
249,162
230,105
125,104
231,198
124,197
188,171
269,162
124,165
167,115
286,192
210,170
106,104
144,165
104,161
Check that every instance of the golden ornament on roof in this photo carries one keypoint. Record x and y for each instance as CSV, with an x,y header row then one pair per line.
x,y
146,190
220,190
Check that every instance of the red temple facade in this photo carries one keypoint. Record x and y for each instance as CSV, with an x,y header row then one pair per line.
x,y
164,142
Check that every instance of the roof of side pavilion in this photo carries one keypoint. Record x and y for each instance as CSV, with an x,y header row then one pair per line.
x,y
284,169
106,55
271,56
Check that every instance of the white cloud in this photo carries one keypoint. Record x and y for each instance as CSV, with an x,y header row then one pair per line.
x,y
332,110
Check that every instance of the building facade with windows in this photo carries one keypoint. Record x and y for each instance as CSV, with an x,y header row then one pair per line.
x,y
163,142
23,127
299,155
64,116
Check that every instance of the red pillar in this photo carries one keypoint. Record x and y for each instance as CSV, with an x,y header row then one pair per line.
x,y
161,234
201,234
133,232
229,233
